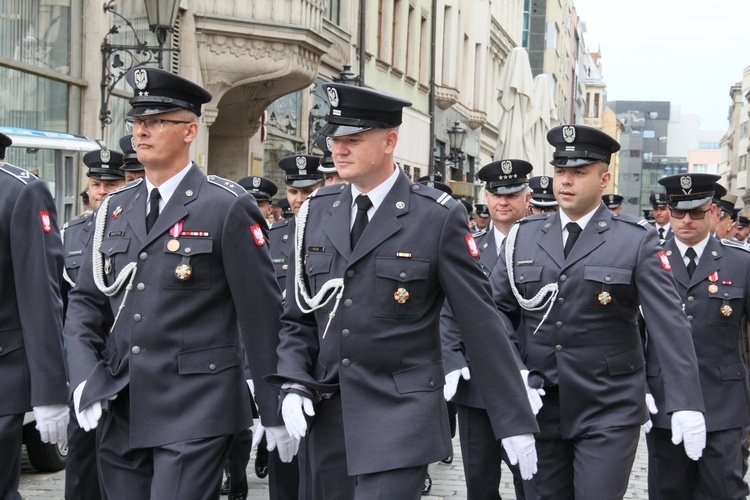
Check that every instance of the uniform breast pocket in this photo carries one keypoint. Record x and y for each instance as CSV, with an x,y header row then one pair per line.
x,y
114,257
401,287
73,260
317,269
606,287
528,280
726,305
189,266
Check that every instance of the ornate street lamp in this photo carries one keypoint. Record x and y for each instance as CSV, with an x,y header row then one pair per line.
x,y
347,77
117,60
456,138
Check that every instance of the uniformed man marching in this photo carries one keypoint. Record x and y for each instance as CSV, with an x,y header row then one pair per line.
x,y
542,197
374,261
327,167
31,367
661,215
613,202
482,217
506,185
571,283
713,280
263,190
154,320
132,168
104,177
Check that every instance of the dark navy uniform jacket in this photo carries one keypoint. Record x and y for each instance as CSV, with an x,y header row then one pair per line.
x,y
175,345
717,337
281,237
382,354
31,353
590,345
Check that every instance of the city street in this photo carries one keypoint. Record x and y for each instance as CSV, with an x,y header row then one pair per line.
x,y
448,480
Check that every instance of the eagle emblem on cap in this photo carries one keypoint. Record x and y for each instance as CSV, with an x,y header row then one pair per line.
x,y
544,182
506,166
686,182
329,143
141,79
333,96
611,198
301,162
104,155
256,182
569,134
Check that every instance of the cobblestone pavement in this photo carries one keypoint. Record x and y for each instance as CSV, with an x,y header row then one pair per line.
x,y
448,480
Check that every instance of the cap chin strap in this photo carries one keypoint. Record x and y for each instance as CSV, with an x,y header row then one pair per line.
x,y
336,284
128,270
537,302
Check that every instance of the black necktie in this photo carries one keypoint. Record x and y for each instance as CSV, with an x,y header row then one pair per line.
x,y
661,233
574,230
691,255
361,220
153,212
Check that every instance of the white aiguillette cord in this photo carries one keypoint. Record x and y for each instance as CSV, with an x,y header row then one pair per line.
x,y
98,268
336,284
537,302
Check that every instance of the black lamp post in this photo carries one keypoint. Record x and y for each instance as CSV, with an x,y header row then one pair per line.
x,y
456,138
347,77
117,60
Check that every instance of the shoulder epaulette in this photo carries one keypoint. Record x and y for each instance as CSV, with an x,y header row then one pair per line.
x,y
631,220
226,184
734,244
78,220
327,190
534,217
479,233
280,224
17,172
129,185
442,198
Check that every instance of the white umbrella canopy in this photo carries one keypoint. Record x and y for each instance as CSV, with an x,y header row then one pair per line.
x,y
515,96
545,119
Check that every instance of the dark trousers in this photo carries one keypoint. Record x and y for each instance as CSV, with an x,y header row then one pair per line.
x,y
482,456
330,478
186,470
283,478
81,471
11,432
717,474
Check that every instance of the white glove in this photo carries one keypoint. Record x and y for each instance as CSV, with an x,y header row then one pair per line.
x,y
258,435
534,394
251,386
88,418
278,437
52,422
521,451
689,426
292,412
652,409
451,382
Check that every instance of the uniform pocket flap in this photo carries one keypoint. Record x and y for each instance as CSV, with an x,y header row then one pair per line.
x,y
402,270
211,360
318,263
10,344
191,246
527,274
112,246
73,262
626,362
733,371
429,377
608,275
728,293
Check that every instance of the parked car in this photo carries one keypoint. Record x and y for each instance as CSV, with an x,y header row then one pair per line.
x,y
44,457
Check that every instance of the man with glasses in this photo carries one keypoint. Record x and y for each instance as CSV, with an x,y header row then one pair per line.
x,y
712,278
154,322
571,283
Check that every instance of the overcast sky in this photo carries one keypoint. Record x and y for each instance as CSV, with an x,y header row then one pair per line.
x,y
685,52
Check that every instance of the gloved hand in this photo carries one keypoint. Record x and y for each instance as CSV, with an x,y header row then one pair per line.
x,y
652,409
88,418
278,437
251,386
292,412
451,382
258,435
534,394
521,451
689,426
52,422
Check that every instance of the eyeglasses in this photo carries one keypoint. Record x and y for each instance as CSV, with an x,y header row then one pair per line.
x,y
695,214
149,123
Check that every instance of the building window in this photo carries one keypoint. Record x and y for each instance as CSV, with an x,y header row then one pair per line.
x,y
526,23
635,153
332,11
743,163
596,104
